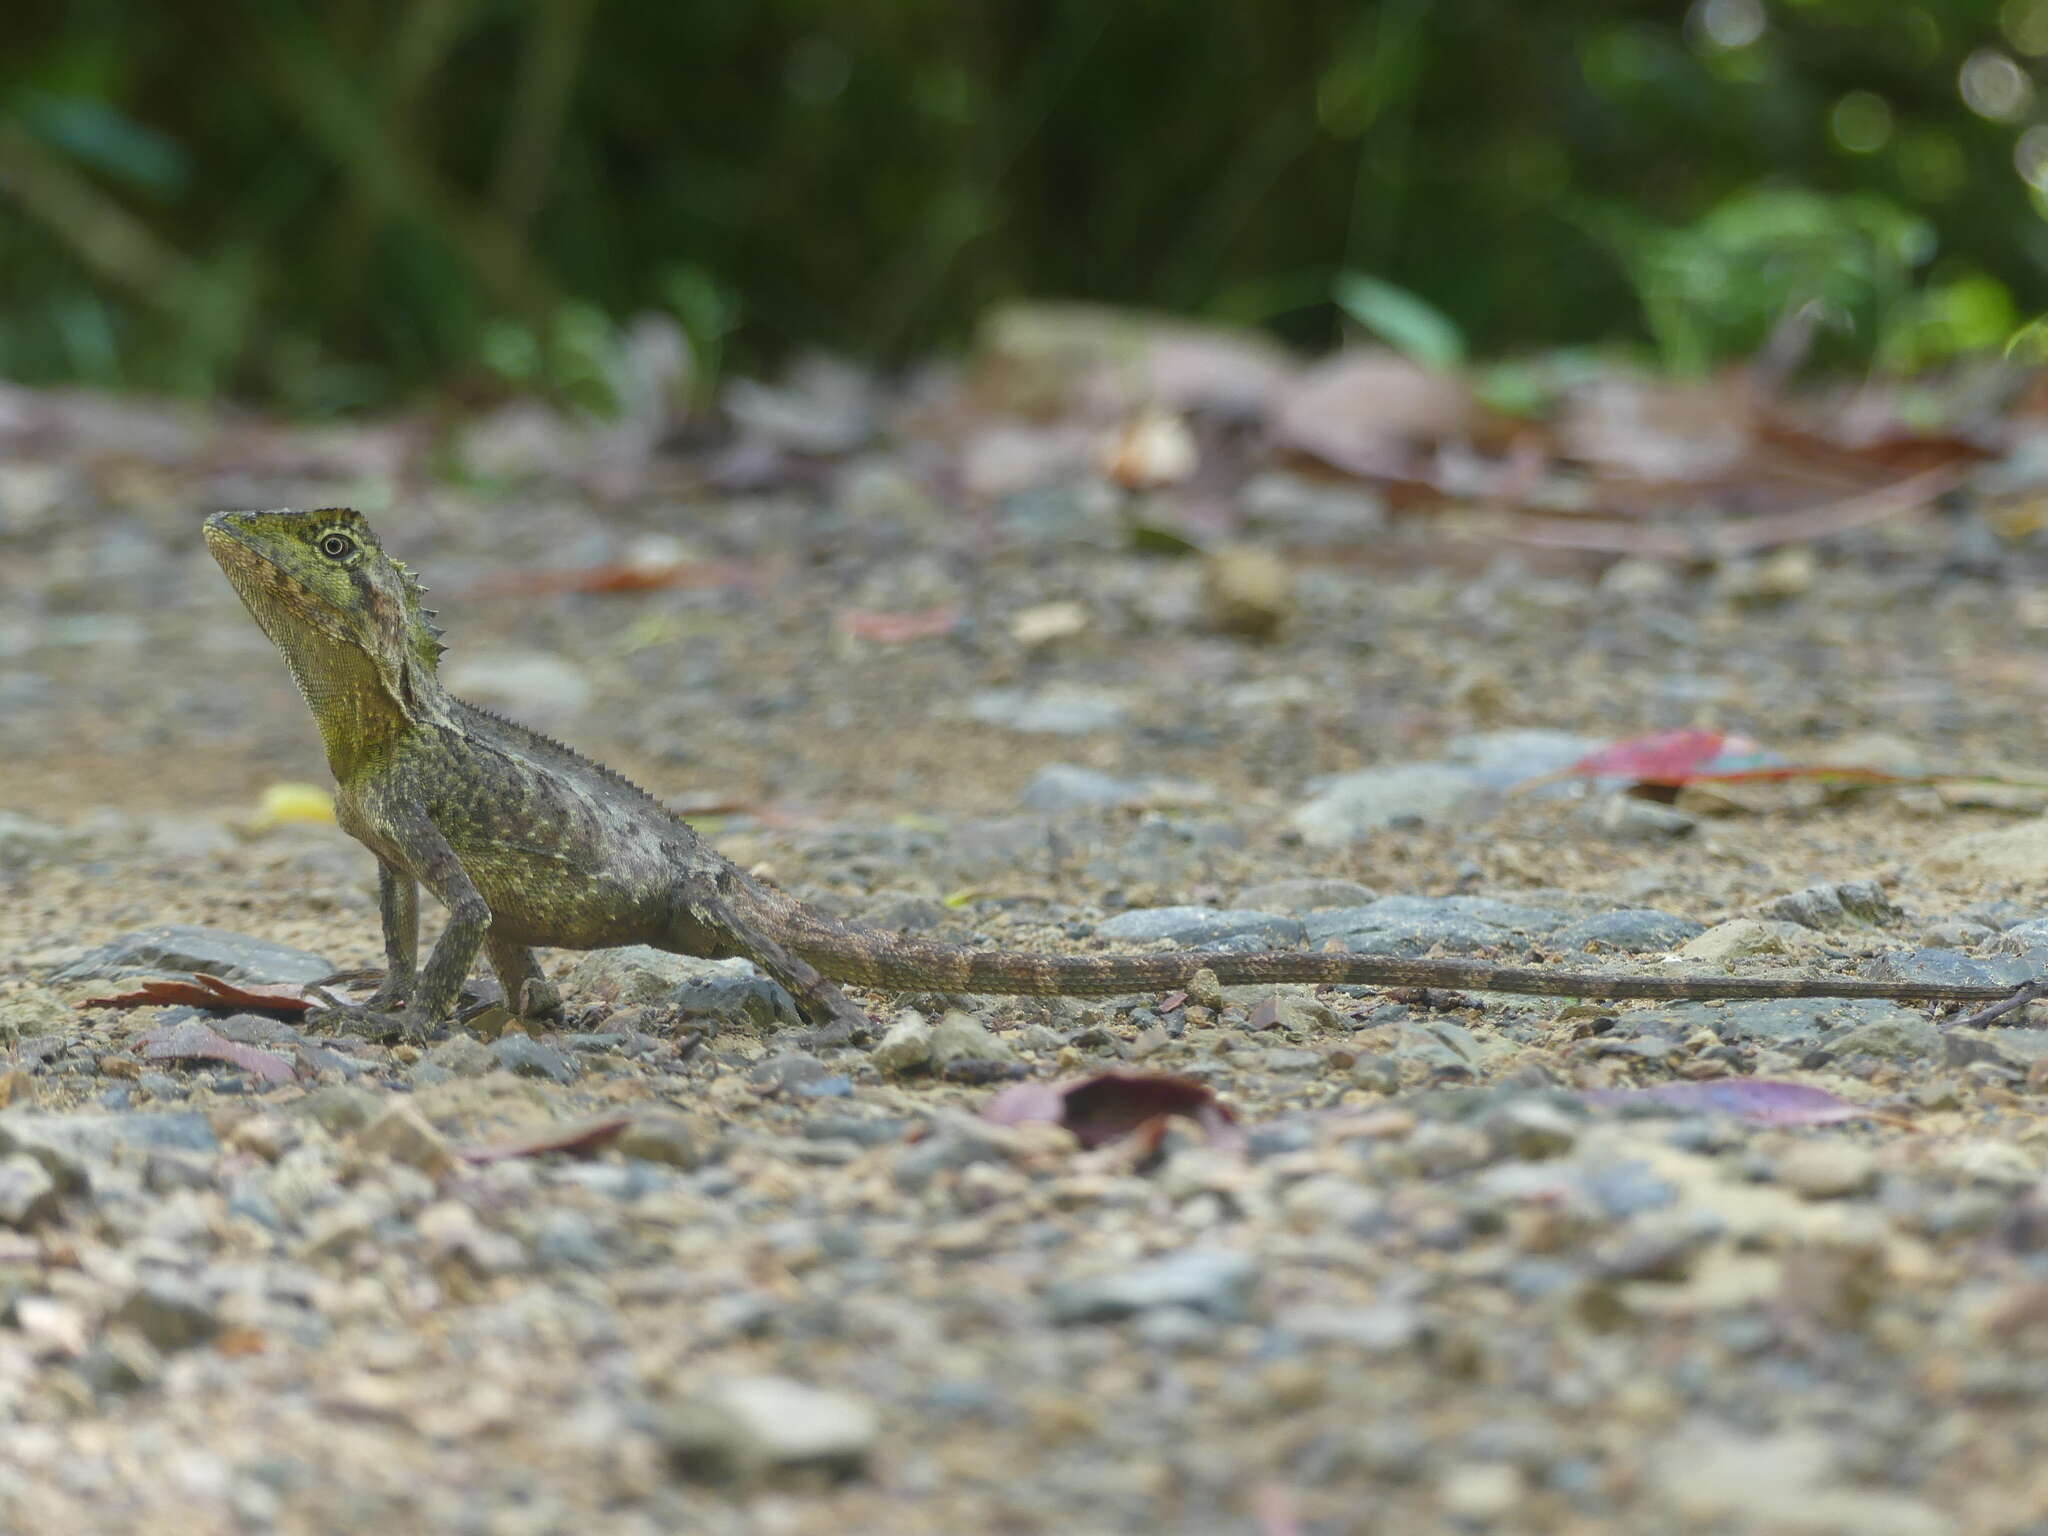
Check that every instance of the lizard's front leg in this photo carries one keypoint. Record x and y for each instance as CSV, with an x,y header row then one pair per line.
x,y
398,903
433,863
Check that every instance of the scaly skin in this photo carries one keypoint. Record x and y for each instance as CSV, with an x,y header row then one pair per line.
x,y
528,844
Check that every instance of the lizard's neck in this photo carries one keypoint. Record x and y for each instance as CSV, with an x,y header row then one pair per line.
x,y
362,708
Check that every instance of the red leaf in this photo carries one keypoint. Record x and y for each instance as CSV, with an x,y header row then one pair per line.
x,y
1103,1108
1674,759
192,1041
623,577
574,1136
1662,757
204,991
1759,1100
895,628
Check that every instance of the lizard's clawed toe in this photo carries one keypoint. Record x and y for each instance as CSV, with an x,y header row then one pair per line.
x,y
372,1023
539,998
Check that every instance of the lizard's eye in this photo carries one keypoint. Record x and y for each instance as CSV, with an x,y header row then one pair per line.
x,y
337,546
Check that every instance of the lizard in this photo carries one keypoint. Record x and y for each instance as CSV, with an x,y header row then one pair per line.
x,y
528,844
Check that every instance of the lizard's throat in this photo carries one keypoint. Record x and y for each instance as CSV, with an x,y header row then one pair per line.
x,y
359,709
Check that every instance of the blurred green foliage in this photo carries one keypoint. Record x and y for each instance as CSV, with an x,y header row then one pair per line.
x,y
334,205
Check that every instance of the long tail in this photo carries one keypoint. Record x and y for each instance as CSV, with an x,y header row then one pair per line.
x,y
873,958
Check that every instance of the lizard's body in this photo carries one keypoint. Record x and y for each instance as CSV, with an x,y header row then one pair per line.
x,y
530,845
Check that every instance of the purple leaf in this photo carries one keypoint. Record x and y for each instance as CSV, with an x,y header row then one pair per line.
x,y
195,1042
1759,1100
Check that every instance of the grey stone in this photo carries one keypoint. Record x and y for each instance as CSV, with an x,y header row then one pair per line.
x,y
734,992
121,1361
1305,894
187,947
1200,927
1351,806
1503,759
955,1142
752,1427
255,1029
1632,819
1296,1010
462,1055
1071,787
1442,1046
1216,1282
527,1057
1658,1245
1784,1021
1628,1188
1378,1329
2013,1049
1312,512
1175,1329
907,1046
402,1134
1828,1170
1058,709
72,1147
28,1192
1407,926
1849,904
672,1140
1632,930
1293,1062
1532,1128
1902,1036
962,1037
633,973
568,1240
787,1072
339,1109
171,1314
1945,967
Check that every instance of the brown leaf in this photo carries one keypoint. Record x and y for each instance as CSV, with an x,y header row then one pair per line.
x,y
1737,535
1377,415
193,1041
1111,1105
570,1136
203,991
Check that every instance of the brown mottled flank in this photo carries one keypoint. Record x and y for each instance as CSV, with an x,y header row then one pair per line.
x,y
529,844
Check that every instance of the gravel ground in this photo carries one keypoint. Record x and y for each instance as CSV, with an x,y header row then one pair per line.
x,y
1433,1280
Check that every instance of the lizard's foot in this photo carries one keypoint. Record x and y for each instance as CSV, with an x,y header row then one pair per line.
x,y
539,998
389,997
372,1023
2029,992
835,1021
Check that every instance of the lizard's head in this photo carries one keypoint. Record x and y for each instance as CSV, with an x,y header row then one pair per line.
x,y
322,574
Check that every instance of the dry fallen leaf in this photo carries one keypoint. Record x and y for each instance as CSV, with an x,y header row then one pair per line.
x,y
570,1136
204,991
1112,1105
193,1041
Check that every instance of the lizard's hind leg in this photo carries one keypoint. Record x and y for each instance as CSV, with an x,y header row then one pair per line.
x,y
528,992
714,930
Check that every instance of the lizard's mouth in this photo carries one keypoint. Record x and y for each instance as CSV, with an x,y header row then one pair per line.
x,y
263,583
